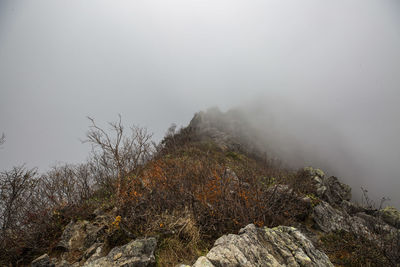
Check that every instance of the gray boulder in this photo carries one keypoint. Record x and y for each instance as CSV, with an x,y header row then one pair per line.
x,y
81,235
329,188
337,191
329,219
280,246
391,216
137,253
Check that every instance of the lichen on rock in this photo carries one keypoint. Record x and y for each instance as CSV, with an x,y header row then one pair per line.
x,y
279,246
391,216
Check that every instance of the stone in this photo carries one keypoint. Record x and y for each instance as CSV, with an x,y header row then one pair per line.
x,y
94,252
202,262
329,219
391,216
280,246
329,188
117,256
137,253
80,235
338,191
314,172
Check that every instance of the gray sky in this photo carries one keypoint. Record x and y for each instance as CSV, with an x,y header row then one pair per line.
x,y
159,62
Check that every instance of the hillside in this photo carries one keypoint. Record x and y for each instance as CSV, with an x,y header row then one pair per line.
x,y
208,195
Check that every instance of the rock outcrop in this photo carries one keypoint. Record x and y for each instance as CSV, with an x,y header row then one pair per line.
x,y
280,246
329,188
80,239
324,208
391,216
137,253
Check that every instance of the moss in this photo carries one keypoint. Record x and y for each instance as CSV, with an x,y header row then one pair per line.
x,y
314,172
314,199
391,215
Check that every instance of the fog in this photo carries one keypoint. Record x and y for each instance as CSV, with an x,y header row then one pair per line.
x,y
320,78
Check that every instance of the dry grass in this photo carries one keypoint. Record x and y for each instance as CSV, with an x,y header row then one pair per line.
x,y
180,238
347,249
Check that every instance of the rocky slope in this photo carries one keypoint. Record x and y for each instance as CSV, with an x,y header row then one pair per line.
x,y
280,246
313,240
253,246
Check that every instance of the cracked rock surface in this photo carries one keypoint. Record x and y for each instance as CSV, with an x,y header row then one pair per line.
x,y
137,253
279,246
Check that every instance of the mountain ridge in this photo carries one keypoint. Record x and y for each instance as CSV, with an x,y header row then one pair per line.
x,y
211,196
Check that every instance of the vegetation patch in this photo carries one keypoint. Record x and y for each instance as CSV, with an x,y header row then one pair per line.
x,y
347,249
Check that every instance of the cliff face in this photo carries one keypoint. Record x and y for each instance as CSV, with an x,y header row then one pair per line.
x,y
321,226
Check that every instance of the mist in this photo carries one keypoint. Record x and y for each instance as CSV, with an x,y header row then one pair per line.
x,y
320,79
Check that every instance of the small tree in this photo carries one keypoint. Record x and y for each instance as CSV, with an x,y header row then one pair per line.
x,y
16,188
123,151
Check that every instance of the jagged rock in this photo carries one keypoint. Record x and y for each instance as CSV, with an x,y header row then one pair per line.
x,y
82,240
80,235
42,261
315,173
94,252
337,191
280,246
391,216
329,189
329,219
137,253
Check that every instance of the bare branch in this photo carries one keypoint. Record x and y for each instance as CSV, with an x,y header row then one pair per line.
x,y
123,151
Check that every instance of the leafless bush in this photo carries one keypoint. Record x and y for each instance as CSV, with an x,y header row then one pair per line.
x,y
67,184
121,152
15,189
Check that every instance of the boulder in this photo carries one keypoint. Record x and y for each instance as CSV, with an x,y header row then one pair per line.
x,y
280,246
81,235
94,252
330,219
329,189
337,191
203,262
137,253
391,216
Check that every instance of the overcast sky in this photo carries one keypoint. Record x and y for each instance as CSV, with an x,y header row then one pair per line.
x,y
159,62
